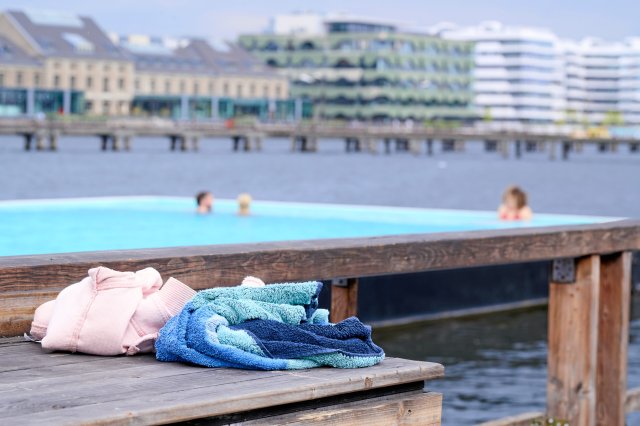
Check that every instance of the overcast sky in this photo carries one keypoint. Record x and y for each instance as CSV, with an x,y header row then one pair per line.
x,y
608,19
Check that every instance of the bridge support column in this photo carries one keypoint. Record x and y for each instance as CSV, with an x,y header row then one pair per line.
x,y
414,146
40,141
313,143
504,149
53,141
387,146
634,147
104,141
566,148
429,147
183,143
195,143
257,142
126,139
115,142
552,150
173,142
518,149
246,143
236,143
490,146
372,145
28,138
294,143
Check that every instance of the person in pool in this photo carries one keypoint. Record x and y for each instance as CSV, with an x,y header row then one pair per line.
x,y
204,200
244,204
514,205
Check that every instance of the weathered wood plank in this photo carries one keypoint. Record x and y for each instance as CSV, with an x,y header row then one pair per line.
x,y
166,392
573,334
344,300
26,281
415,408
613,338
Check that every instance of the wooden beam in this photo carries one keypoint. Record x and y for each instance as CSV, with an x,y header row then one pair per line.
x,y
613,338
344,300
27,281
573,337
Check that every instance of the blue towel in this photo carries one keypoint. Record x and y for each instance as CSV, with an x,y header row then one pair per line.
x,y
277,327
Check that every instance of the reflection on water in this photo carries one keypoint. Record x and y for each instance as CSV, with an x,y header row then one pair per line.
x,y
495,364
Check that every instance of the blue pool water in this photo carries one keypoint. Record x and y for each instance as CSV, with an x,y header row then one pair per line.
x,y
72,225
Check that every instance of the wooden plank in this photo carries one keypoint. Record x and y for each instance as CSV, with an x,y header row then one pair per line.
x,y
415,408
25,281
344,300
632,403
524,419
169,392
573,334
613,338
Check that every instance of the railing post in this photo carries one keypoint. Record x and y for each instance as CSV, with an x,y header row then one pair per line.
x,y
344,299
613,338
573,337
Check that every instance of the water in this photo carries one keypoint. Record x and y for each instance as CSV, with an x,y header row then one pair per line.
x,y
495,364
85,224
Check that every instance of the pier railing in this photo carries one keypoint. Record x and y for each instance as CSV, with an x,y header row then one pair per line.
x,y
589,293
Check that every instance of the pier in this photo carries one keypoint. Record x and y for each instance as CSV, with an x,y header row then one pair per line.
x,y
588,322
119,134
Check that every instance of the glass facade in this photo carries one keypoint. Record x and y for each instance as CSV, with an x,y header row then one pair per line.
x,y
361,73
211,108
16,102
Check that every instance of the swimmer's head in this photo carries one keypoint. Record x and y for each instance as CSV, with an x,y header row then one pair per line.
x,y
514,198
244,203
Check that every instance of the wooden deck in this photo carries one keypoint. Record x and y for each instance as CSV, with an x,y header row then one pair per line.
x,y
61,388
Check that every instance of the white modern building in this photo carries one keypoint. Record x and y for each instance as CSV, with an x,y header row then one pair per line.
x,y
528,75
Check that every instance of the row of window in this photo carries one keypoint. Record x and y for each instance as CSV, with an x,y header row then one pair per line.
x,y
378,65
376,45
21,81
90,66
387,101
196,89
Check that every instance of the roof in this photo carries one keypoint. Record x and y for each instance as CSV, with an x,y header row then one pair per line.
x,y
58,34
10,53
194,56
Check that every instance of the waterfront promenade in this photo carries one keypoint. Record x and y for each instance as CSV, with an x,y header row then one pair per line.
x,y
118,134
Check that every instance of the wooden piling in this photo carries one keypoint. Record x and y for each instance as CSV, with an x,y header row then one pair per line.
x,y
613,338
344,299
573,338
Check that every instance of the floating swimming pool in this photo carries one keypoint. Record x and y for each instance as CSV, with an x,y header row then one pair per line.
x,y
86,224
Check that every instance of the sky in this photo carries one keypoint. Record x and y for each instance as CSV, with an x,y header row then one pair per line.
x,y
225,19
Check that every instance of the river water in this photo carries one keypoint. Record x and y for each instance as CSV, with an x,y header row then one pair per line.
x,y
495,364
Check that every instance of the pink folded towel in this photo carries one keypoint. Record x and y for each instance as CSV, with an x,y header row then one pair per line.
x,y
110,312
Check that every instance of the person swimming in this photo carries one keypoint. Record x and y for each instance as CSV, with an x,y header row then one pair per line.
x,y
204,200
514,205
244,204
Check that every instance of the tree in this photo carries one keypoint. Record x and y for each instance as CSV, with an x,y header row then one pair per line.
x,y
613,118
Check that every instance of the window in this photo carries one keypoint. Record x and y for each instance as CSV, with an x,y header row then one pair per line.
x,y
211,87
56,81
167,86
105,107
105,85
18,78
225,89
137,84
195,88
277,91
88,106
36,80
152,86
89,82
182,86
121,84
239,91
252,90
72,82
265,91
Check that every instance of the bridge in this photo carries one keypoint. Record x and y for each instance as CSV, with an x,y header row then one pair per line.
x,y
118,133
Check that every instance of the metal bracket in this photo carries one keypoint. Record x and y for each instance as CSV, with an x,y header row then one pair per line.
x,y
339,282
563,271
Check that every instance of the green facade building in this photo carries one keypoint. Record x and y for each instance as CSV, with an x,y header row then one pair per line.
x,y
360,71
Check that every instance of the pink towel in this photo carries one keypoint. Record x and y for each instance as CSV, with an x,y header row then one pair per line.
x,y
110,312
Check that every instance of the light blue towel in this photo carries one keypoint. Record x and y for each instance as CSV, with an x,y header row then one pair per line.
x,y
277,327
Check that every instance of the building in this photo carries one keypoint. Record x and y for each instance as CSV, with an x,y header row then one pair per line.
x,y
518,76
189,78
367,69
602,81
60,63
74,54
530,76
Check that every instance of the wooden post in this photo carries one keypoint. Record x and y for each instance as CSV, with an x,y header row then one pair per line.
x,y
573,337
344,299
28,137
613,338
